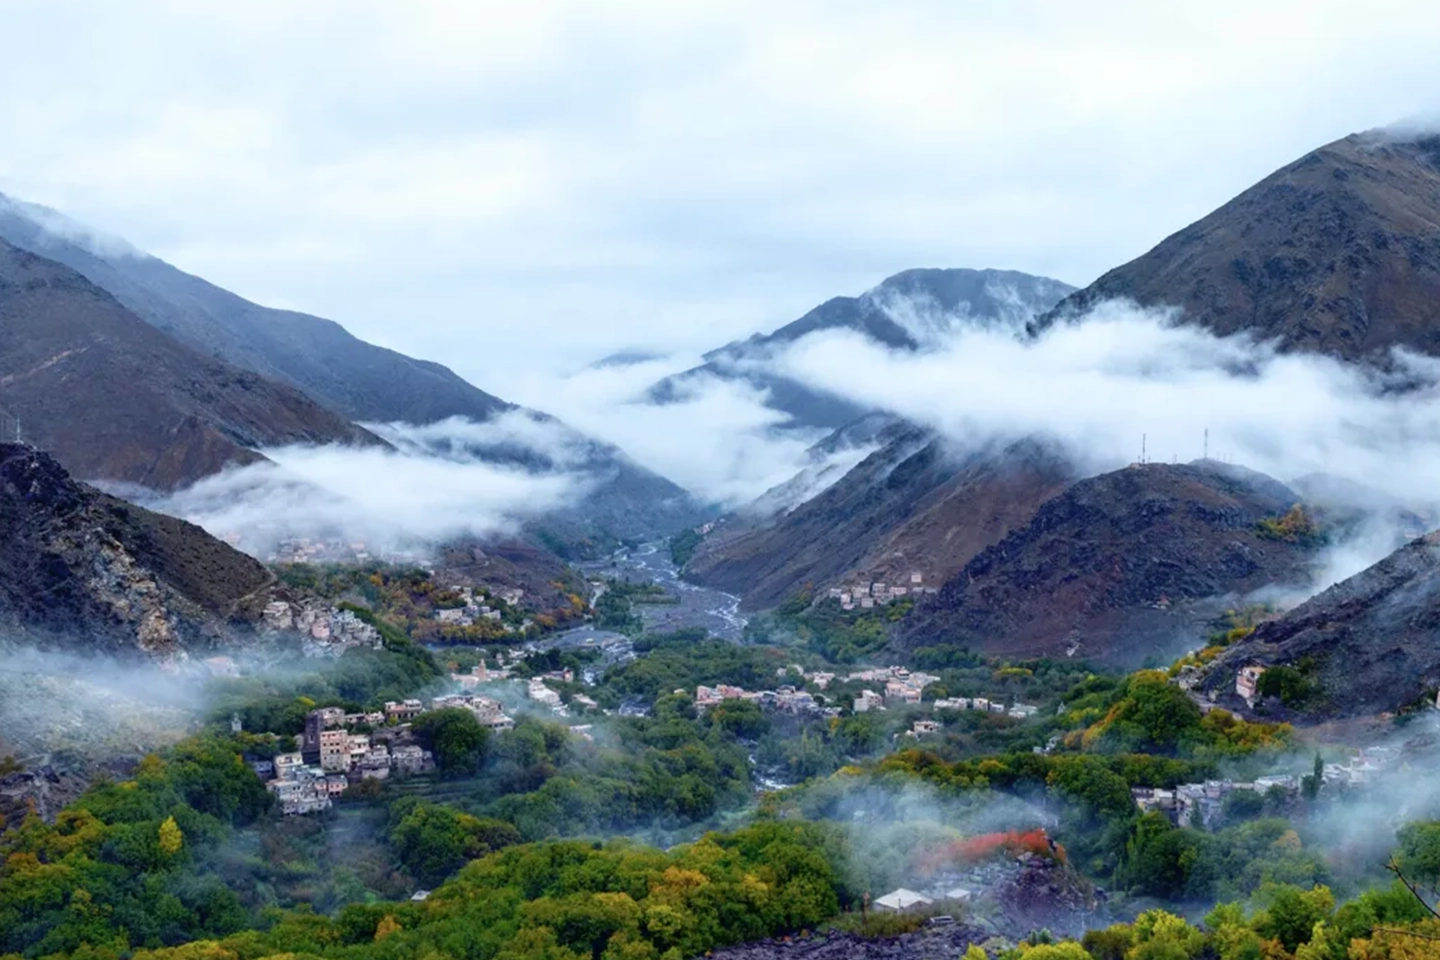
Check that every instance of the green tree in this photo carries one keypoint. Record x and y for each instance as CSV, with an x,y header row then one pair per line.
x,y
460,742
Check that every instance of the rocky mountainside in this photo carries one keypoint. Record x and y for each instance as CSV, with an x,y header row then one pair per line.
x,y
84,570
319,357
910,310
115,399
1120,567
1337,253
1367,645
914,505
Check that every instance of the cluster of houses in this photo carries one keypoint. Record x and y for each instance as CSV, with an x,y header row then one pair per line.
x,y
925,728
332,757
785,698
326,630
901,686
1020,711
865,596
476,609
1200,804
333,550
535,689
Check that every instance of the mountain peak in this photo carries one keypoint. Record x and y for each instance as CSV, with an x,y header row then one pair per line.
x,y
1337,253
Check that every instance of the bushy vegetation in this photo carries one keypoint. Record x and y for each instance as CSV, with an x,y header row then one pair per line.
x,y
615,608
1296,526
824,628
683,546
1149,714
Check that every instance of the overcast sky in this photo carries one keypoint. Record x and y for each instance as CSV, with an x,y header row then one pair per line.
x,y
535,184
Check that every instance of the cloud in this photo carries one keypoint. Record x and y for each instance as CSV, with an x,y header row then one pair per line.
x,y
718,439
1126,377
394,501
538,184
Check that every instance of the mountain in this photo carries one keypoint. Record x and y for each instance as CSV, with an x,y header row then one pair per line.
x,y
1367,645
911,310
83,569
115,399
1337,253
1120,567
912,506
319,357
294,353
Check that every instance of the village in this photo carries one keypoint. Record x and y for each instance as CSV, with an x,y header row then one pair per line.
x,y
326,631
901,687
476,609
1201,804
865,596
339,749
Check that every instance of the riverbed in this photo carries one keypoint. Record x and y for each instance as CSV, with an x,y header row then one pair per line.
x,y
715,611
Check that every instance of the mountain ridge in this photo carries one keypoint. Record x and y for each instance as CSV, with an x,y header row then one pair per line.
x,y
319,357
115,399
904,311
1336,253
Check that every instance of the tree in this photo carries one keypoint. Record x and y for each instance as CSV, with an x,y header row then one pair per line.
x,y
1420,851
458,739
171,838
1290,914
1310,785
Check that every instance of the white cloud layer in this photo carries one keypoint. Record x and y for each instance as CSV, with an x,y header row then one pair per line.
x,y
392,501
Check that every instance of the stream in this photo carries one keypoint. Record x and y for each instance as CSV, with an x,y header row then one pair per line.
x,y
718,613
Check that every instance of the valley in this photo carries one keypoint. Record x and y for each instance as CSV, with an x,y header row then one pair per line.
x,y
884,631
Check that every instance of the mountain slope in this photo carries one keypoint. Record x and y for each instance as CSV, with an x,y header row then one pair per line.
x,y
317,356
1367,645
89,571
910,310
1337,253
115,399
912,506
1119,567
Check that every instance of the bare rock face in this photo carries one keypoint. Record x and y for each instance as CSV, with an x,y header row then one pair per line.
x,y
83,570
1046,893
1366,646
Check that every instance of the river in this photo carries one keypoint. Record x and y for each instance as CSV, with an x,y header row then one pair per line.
x,y
718,613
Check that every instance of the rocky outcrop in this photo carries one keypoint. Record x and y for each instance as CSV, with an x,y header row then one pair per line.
x,y
80,569
1366,646
1120,568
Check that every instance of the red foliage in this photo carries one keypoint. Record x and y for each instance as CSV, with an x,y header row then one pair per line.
x,y
986,845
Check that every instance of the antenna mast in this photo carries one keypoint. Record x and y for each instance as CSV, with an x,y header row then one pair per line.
x,y
1207,444
1143,440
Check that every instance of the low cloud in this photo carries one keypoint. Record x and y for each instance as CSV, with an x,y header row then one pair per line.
x,y
718,438
395,501
1126,377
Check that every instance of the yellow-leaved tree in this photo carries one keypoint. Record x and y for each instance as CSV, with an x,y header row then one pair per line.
x,y
171,838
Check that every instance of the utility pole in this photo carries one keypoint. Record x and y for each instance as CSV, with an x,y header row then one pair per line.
x,y
1206,455
1143,440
